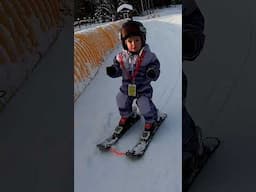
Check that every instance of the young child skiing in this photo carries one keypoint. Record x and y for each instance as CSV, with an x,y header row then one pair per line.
x,y
137,66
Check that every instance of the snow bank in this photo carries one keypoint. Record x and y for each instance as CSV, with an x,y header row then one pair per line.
x,y
27,30
90,48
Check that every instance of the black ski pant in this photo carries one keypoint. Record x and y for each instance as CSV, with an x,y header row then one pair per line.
x,y
189,135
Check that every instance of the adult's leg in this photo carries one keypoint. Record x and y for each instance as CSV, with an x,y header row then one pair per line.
x,y
188,125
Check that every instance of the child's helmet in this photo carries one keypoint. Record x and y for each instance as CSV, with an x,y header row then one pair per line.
x,y
132,28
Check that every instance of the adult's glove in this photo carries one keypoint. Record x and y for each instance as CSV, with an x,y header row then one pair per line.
x,y
151,73
110,71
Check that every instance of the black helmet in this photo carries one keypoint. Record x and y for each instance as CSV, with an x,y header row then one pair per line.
x,y
132,28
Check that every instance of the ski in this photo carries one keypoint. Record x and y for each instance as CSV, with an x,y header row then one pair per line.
x,y
140,148
119,131
210,145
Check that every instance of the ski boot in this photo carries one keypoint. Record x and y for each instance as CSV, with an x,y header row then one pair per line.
x,y
149,130
194,159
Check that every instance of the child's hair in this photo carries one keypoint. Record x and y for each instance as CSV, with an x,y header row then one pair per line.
x,y
132,28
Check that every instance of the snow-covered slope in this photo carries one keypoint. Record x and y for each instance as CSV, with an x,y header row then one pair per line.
x,y
96,115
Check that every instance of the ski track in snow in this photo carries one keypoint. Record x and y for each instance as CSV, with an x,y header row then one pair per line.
x,y
96,115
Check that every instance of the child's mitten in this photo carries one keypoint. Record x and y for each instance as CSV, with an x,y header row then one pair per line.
x,y
151,73
110,71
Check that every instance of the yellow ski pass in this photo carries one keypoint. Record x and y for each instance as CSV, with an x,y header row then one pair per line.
x,y
132,90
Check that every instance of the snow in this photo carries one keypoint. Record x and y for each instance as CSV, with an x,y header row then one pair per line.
x,y
31,143
96,115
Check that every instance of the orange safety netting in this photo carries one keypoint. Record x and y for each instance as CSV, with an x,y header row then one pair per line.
x,y
90,49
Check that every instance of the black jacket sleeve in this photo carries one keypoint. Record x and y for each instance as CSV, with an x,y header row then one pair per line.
x,y
192,34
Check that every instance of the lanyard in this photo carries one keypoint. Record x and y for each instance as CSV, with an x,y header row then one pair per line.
x,y
137,68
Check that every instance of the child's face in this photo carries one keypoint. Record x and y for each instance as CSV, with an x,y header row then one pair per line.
x,y
133,43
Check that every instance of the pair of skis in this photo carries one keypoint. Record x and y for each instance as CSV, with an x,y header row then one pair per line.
x,y
141,146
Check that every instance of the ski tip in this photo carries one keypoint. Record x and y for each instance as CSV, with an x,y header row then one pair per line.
x,y
102,148
132,156
216,139
211,143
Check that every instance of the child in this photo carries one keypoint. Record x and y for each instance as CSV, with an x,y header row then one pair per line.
x,y
138,66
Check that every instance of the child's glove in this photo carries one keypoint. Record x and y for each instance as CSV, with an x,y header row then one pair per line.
x,y
110,71
151,73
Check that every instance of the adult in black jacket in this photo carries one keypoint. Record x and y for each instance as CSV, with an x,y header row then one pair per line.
x,y
192,44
